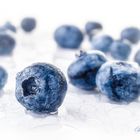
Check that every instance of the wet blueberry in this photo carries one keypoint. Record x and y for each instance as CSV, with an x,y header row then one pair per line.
x,y
102,43
119,81
68,36
7,44
41,88
120,50
83,71
28,24
131,34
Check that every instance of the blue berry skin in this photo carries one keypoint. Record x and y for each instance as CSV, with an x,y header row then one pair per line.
x,y
7,44
83,71
41,88
132,34
90,27
10,27
3,77
119,81
137,57
28,24
120,50
102,43
68,36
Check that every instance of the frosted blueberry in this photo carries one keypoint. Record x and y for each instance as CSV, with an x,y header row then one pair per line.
x,y
131,34
7,44
41,88
28,24
119,81
102,43
120,50
68,36
82,72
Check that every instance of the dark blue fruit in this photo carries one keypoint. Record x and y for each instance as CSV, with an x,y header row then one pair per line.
x,y
7,44
28,24
137,57
3,77
132,34
119,81
9,26
102,43
41,88
68,36
120,50
82,72
92,28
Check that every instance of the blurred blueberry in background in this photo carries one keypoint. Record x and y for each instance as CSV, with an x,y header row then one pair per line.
x,y
68,36
7,44
132,34
41,88
82,72
92,28
120,50
10,26
119,81
3,77
137,57
102,43
28,24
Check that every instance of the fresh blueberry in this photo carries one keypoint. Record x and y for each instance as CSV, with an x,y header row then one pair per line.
x,y
68,36
7,44
131,34
41,88
120,50
2,29
3,77
10,27
119,81
83,71
92,27
28,24
137,57
102,43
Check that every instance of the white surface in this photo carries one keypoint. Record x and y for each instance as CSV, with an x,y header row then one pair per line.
x,y
83,115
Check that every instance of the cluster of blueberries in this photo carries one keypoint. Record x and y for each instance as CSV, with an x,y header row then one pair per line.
x,y
7,41
41,87
69,36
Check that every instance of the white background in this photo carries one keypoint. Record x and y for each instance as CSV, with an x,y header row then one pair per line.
x,y
91,120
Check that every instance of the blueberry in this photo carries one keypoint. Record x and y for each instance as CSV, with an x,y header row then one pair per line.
x,y
28,24
120,50
131,34
68,36
2,29
83,71
7,44
119,81
102,43
137,57
92,27
41,88
3,77
10,27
